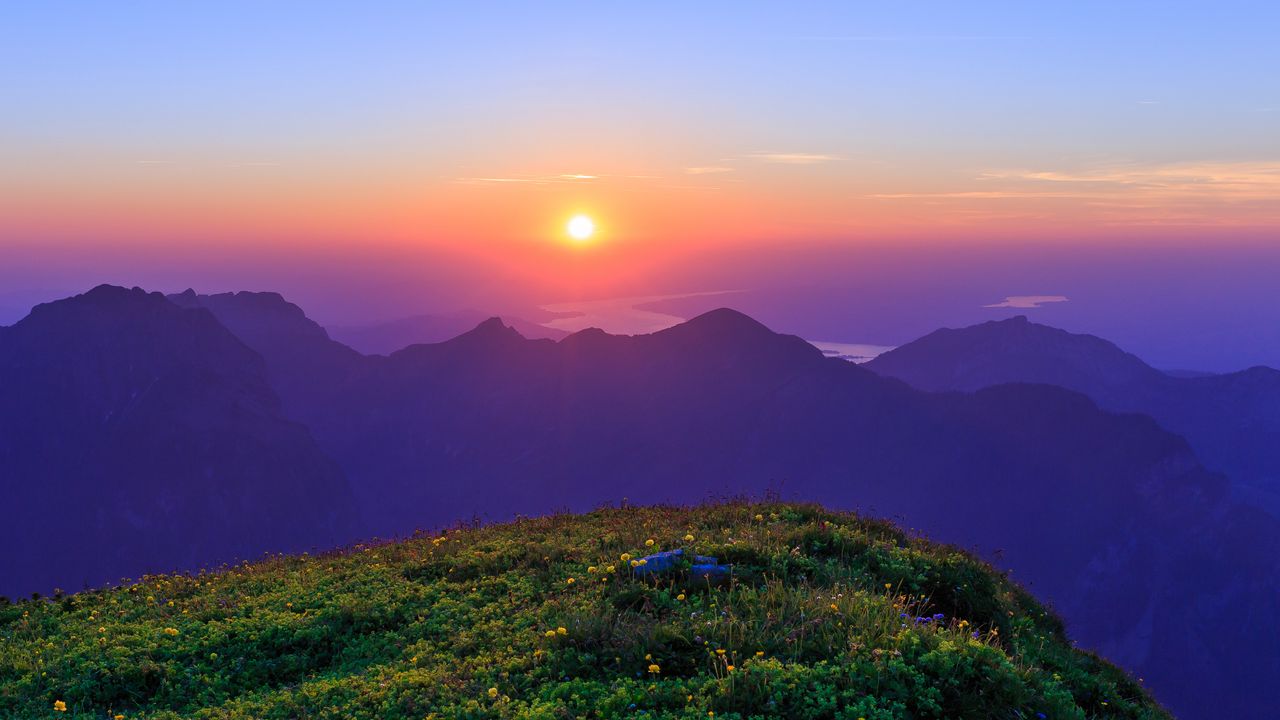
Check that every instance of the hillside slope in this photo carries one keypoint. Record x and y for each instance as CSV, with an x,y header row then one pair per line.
x,y
1232,420
827,616
138,436
1109,517
387,337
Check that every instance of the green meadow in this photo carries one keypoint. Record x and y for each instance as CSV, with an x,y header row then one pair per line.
x,y
824,615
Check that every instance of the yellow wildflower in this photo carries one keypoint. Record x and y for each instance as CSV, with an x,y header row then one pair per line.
x,y
759,517
729,668
561,631
688,538
592,569
59,706
493,692
625,557
570,581
680,596
170,631
654,669
609,569
719,651
759,653
648,543
834,606
551,633
888,586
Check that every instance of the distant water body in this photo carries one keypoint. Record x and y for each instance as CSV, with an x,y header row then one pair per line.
x,y
853,352
622,316
618,316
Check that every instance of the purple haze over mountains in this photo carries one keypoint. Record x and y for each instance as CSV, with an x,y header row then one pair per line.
x,y
140,432
1204,306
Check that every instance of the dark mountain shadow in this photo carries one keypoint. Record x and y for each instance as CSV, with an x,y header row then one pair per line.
x,y
1231,420
1107,515
387,337
136,436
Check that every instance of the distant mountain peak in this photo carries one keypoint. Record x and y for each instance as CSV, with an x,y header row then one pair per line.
x,y
252,314
729,333
489,331
587,333
111,299
721,323
1013,350
106,293
264,300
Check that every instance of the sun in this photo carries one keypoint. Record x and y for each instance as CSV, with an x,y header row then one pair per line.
x,y
581,228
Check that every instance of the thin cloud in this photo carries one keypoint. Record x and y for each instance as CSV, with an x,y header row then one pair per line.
x,y
791,158
1221,181
691,187
979,194
707,170
1027,302
1227,181
1213,194
530,179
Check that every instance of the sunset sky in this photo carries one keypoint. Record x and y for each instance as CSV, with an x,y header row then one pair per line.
x,y
241,144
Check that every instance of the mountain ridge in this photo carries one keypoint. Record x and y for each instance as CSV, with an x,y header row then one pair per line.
x,y
1231,420
724,406
136,435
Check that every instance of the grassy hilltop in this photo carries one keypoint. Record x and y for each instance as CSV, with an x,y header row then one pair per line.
x,y
827,616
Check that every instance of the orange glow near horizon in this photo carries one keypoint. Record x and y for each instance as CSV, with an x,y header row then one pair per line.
x,y
644,219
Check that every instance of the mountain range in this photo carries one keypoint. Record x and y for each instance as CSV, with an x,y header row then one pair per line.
x,y
136,436
1231,420
189,403
386,337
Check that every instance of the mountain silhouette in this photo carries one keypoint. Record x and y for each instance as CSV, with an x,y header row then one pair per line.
x,y
136,436
387,337
1232,421
1109,516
